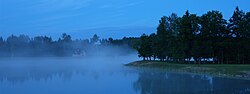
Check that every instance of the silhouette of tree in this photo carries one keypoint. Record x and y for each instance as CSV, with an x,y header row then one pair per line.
x,y
235,22
94,39
206,38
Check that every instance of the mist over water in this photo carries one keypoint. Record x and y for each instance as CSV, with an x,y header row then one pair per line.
x,y
47,47
26,66
102,74
62,75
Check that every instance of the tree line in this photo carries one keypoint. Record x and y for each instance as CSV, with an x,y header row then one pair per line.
x,y
208,38
25,46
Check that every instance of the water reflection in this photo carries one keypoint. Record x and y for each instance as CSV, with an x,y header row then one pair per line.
x,y
23,69
98,76
20,75
158,82
66,76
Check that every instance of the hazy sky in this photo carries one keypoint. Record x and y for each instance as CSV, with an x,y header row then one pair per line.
x,y
108,18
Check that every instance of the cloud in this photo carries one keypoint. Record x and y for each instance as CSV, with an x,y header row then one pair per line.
x,y
105,6
78,4
57,5
129,4
119,4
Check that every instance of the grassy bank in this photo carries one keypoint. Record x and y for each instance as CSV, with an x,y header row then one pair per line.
x,y
222,70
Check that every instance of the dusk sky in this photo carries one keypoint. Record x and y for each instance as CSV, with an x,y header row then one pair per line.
x,y
107,18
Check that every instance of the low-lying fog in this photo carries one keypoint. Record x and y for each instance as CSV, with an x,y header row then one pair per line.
x,y
64,75
104,74
24,68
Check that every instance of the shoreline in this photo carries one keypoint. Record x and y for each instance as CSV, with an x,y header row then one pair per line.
x,y
238,71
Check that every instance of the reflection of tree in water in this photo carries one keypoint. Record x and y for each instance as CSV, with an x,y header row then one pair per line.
x,y
38,72
172,83
18,70
22,75
235,86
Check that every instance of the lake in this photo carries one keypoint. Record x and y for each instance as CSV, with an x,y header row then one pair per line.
x,y
105,75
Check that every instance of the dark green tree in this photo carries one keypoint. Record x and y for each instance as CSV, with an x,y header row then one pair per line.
x,y
94,39
153,45
145,48
243,41
213,26
236,27
187,30
235,22
66,38
245,26
167,32
161,39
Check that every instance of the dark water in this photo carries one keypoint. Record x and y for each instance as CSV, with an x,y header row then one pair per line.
x,y
107,75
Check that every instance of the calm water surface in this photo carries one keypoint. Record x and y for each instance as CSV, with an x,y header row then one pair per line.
x,y
106,75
